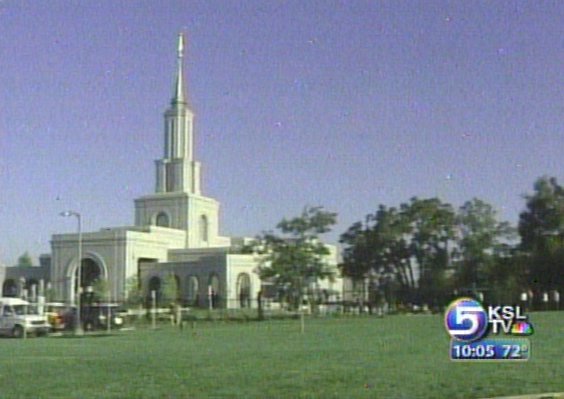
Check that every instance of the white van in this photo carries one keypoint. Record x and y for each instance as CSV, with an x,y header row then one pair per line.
x,y
17,317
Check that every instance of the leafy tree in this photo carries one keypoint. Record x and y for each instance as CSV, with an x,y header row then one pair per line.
x,y
544,216
406,250
25,260
506,275
358,257
483,244
295,257
432,229
379,251
541,227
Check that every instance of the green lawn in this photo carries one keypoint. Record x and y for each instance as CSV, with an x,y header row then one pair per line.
x,y
362,357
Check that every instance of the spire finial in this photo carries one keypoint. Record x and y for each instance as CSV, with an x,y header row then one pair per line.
x,y
180,45
178,97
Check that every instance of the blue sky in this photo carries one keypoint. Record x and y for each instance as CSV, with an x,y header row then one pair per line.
x,y
342,104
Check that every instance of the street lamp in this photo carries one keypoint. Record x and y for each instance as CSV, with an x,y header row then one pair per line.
x,y
78,327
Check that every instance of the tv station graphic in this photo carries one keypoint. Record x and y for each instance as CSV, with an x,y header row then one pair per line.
x,y
495,333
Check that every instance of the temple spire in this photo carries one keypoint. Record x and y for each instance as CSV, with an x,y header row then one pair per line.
x,y
179,97
177,171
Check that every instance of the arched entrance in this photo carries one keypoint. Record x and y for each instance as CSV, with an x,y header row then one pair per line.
x,y
90,272
10,288
170,289
143,266
193,287
244,290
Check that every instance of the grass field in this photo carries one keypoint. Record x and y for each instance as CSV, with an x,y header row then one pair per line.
x,y
359,357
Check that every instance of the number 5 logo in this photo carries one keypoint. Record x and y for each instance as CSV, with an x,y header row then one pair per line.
x,y
469,313
466,320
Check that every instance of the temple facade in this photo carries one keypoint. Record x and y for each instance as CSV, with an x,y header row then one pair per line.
x,y
175,237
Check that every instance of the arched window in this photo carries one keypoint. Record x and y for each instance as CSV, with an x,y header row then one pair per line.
x,y
213,283
162,220
193,288
244,290
204,228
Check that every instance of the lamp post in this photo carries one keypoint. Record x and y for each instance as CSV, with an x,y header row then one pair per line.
x,y
78,327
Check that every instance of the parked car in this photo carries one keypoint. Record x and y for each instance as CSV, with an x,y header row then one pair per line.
x,y
17,318
55,312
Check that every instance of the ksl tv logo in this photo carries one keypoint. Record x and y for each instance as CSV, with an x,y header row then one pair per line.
x,y
467,320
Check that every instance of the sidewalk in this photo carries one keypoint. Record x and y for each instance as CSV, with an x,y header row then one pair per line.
x,y
551,395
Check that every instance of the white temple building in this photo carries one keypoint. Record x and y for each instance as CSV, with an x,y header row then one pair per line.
x,y
176,232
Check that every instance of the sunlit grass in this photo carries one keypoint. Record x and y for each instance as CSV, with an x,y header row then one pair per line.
x,y
356,357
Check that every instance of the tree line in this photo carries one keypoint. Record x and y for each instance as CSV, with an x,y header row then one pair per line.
x,y
425,251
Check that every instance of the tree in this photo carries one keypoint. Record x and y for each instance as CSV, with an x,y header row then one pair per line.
x,y
541,227
544,216
378,251
483,241
358,257
506,276
295,258
405,249
431,231
25,260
